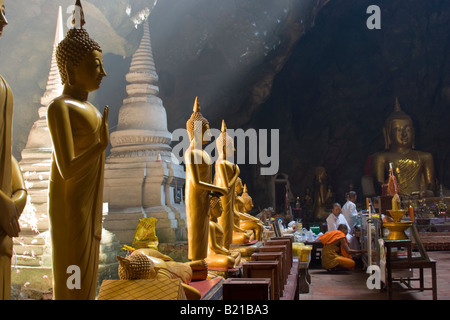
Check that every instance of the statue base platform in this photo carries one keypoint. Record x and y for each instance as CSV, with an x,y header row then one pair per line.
x,y
247,249
227,273
210,289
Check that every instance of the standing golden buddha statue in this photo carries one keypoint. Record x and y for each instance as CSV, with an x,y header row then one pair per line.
x,y
80,136
13,195
198,190
413,169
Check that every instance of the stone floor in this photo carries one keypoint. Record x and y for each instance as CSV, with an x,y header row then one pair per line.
x,y
352,285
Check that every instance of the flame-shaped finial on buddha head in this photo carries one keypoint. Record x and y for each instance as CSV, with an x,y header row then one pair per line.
x,y
225,143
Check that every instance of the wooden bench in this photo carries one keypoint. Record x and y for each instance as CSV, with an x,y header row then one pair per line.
x,y
291,289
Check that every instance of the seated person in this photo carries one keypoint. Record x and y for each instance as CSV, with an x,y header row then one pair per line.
x,y
335,219
336,254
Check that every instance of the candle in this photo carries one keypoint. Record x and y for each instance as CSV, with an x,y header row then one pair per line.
x,y
411,213
367,204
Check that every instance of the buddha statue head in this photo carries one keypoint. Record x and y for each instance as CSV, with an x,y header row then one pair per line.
x,y
79,57
225,143
239,187
3,21
216,208
198,126
398,130
247,200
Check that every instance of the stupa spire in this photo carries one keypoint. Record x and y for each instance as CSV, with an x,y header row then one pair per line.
x,y
142,123
54,86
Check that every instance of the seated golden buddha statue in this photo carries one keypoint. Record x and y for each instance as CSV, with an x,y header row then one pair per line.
x,y
413,169
243,205
80,136
13,195
198,190
218,255
226,175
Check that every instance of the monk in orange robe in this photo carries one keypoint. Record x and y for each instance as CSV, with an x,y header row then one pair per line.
x,y
336,254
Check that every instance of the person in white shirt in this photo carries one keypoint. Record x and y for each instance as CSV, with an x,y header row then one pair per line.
x,y
349,210
335,219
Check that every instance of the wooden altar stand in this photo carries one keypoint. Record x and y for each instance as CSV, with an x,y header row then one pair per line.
x,y
409,262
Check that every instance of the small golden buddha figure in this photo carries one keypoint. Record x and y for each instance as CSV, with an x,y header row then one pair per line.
x,y
413,169
13,195
218,255
199,187
226,175
80,136
242,233
246,220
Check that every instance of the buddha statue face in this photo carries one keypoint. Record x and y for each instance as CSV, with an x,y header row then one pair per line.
x,y
3,21
216,207
248,204
88,74
239,187
401,133
398,130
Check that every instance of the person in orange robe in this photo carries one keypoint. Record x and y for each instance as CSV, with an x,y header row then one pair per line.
x,y
336,254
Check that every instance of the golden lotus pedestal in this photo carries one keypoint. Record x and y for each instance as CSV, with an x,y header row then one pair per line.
x,y
397,230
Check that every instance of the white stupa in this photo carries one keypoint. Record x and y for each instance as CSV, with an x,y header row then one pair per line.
x,y
142,179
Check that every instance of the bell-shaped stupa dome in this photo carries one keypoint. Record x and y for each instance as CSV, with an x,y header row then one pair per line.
x,y
142,123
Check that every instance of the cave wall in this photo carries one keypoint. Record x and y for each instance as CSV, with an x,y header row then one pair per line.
x,y
332,97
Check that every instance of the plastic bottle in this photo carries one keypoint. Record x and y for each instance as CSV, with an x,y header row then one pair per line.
x,y
304,235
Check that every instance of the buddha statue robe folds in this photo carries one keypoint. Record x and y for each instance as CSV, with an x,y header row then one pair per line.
x,y
79,134
413,169
13,195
